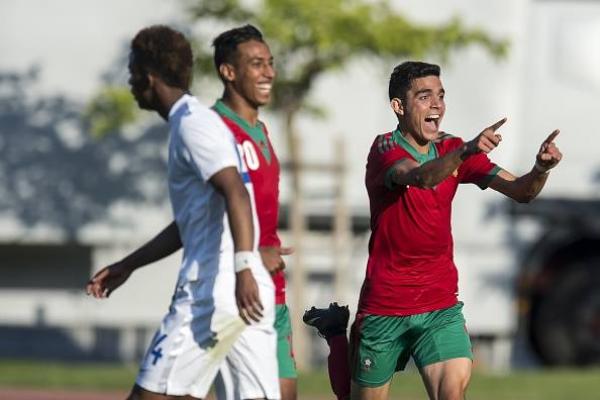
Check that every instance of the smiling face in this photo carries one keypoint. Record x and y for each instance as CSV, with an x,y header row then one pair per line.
x,y
252,73
420,113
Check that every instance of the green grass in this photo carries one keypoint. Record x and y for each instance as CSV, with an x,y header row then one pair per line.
x,y
580,384
51,375
518,385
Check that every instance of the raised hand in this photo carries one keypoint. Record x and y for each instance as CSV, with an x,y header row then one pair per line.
x,y
271,257
486,141
107,279
549,155
247,297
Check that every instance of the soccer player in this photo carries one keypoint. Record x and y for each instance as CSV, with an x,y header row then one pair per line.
x,y
222,312
245,66
408,305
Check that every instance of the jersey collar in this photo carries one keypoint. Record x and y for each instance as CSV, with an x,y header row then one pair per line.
x,y
223,109
419,157
256,132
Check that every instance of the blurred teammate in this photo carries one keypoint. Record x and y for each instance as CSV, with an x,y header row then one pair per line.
x,y
408,305
245,66
222,282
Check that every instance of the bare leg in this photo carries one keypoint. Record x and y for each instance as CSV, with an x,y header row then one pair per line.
x,y
447,380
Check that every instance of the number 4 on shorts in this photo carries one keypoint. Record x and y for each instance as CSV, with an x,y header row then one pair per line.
x,y
157,351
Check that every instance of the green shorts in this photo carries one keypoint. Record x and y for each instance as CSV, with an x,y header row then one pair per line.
x,y
381,345
285,353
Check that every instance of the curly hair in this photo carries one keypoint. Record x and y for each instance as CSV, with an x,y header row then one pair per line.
x,y
403,75
166,52
226,43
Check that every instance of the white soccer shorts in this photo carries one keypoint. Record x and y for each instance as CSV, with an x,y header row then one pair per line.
x,y
203,332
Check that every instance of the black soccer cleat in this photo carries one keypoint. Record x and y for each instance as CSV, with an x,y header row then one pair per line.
x,y
331,321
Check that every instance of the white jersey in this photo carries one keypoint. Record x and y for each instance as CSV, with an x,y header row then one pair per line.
x,y
201,145
202,331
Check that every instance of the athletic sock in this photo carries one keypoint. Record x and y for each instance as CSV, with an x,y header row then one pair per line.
x,y
337,364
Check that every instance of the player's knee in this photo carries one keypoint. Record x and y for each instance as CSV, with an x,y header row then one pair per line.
x,y
454,387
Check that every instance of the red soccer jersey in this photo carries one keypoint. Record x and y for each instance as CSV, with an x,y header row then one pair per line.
x,y
263,168
411,268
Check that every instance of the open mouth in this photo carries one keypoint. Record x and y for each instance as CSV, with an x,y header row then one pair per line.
x,y
432,121
264,88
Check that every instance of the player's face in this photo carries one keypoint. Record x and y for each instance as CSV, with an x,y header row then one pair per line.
x,y
254,73
424,109
140,85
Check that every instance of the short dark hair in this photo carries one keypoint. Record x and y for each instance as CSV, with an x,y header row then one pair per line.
x,y
166,52
403,75
226,43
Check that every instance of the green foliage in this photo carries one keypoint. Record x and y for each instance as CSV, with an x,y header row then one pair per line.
x,y
308,39
110,110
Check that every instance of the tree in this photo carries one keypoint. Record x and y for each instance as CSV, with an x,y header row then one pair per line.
x,y
313,39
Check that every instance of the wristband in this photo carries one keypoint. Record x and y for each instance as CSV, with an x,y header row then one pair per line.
x,y
243,260
538,167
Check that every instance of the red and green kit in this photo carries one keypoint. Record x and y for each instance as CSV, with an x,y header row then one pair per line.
x,y
411,268
263,168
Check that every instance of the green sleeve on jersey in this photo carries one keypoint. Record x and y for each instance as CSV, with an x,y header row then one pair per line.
x,y
388,180
485,182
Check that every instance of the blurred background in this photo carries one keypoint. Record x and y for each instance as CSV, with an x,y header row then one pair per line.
x,y
83,175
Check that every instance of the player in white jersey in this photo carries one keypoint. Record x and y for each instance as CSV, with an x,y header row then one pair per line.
x,y
222,311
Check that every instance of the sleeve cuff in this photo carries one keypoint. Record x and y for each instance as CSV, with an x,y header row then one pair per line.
x,y
485,181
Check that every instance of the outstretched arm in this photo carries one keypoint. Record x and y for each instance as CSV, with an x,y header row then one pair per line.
x,y
526,188
429,174
111,277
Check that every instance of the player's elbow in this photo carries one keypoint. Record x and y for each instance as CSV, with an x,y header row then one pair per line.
x,y
525,198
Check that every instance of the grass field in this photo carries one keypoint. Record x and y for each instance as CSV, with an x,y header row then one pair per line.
x,y
518,385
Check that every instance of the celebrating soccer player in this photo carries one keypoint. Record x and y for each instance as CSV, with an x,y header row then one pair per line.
x,y
408,304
